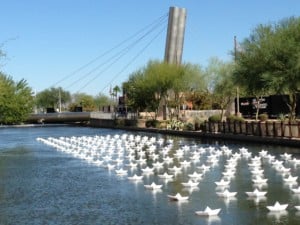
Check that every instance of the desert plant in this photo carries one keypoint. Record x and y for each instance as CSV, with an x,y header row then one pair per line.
x,y
175,125
189,126
263,117
234,118
152,123
215,118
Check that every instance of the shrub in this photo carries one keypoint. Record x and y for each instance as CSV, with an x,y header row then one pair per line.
x,y
152,123
175,125
215,118
120,122
234,118
263,117
198,123
281,117
189,126
163,124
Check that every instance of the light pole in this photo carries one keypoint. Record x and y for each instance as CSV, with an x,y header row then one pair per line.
x,y
237,88
59,99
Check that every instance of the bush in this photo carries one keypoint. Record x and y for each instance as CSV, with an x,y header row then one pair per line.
x,y
120,122
152,123
215,118
281,117
175,125
189,126
234,118
263,117
163,124
198,123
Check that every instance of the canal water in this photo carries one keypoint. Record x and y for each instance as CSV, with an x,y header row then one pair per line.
x,y
43,184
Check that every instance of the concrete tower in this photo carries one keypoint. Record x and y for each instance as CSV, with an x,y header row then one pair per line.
x,y
175,35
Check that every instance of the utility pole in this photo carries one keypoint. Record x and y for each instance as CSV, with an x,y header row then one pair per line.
x,y
237,88
59,99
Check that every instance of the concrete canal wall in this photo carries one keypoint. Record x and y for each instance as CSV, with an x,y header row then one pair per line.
x,y
136,125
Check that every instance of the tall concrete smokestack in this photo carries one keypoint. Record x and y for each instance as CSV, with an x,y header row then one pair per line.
x,y
175,35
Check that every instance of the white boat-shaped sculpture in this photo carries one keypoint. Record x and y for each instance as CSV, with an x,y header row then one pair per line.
x,y
121,171
168,159
110,166
185,163
296,190
226,194
141,161
230,166
165,176
290,179
222,182
254,164
228,173
297,207
295,161
119,161
190,183
178,197
277,207
247,155
259,180
208,212
282,169
277,163
257,172
195,175
153,186
286,156
263,153
256,193
158,164
132,165
195,157
148,170
203,167
135,177
175,169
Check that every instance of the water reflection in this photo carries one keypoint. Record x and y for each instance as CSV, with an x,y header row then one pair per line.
x,y
278,216
190,190
257,200
155,193
213,220
229,201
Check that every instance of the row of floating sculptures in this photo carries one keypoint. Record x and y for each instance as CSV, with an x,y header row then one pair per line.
x,y
124,153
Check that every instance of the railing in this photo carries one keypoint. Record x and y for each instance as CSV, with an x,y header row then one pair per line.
x,y
255,128
59,117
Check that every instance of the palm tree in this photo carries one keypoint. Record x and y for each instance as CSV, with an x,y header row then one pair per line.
x,y
115,92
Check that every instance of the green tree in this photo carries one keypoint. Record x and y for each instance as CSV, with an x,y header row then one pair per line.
x,y
16,100
87,102
53,98
269,62
102,100
140,96
221,83
185,78
115,91
160,83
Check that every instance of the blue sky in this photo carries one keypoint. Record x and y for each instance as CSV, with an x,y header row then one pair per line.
x,y
47,40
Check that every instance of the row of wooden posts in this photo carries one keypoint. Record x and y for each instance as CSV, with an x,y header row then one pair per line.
x,y
255,128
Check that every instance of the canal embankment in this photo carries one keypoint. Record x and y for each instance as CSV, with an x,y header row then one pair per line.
x,y
222,131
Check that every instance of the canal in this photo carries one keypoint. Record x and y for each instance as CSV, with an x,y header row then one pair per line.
x,y
43,180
